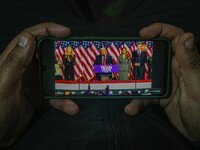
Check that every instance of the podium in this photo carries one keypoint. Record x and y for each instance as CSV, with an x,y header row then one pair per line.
x,y
105,71
105,77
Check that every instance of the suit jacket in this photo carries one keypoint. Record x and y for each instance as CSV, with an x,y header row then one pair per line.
x,y
98,60
142,58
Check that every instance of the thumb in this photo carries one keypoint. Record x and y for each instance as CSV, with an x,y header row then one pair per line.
x,y
67,106
13,66
137,105
189,63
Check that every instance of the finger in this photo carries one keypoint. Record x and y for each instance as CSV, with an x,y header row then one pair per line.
x,y
10,47
46,29
67,106
189,63
40,30
137,105
14,64
175,76
161,30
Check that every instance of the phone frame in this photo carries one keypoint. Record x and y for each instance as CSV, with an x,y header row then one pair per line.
x,y
167,72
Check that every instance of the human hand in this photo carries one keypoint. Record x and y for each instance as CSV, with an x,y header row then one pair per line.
x,y
19,95
69,59
183,106
136,64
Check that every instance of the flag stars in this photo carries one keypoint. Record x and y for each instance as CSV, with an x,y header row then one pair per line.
x,y
97,44
86,44
120,92
73,92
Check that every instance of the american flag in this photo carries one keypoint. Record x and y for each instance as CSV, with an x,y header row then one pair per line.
x,y
149,48
86,51
60,48
149,54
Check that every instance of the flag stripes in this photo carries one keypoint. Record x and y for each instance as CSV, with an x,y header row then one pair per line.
x,y
86,51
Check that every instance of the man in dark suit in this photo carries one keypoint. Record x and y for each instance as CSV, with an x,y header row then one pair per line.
x,y
103,59
139,59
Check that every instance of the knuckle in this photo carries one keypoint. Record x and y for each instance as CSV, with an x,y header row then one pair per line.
x,y
12,60
194,62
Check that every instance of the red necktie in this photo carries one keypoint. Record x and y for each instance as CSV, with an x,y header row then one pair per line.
x,y
104,60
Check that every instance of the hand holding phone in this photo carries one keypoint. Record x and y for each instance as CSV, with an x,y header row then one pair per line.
x,y
137,64
19,93
182,106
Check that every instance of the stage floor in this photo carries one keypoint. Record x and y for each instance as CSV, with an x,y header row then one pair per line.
x,y
102,85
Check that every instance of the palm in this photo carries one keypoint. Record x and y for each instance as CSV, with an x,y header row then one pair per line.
x,y
16,110
180,107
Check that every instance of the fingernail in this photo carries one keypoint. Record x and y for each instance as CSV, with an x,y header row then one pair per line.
x,y
71,110
130,110
189,44
23,41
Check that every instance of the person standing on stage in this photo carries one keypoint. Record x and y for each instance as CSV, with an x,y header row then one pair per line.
x,y
124,63
68,61
103,59
139,58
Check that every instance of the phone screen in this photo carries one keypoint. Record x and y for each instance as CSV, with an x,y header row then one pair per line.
x,y
104,67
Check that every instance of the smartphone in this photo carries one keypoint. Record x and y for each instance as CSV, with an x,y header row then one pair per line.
x,y
104,67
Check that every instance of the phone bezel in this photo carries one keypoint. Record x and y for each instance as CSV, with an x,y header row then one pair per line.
x,y
167,64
